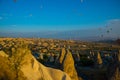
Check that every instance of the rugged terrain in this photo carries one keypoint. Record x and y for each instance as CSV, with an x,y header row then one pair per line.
x,y
52,59
24,66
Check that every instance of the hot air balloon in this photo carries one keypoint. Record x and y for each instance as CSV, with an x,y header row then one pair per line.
x,y
108,31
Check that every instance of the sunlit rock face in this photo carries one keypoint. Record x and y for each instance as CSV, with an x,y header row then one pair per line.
x,y
67,64
24,66
99,59
62,55
3,54
33,70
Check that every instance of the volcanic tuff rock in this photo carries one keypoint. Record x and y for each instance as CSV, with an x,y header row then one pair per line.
x,y
99,59
23,61
3,54
62,55
67,63
33,70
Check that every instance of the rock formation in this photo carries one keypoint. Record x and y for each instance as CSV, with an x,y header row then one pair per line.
x,y
62,55
33,70
3,54
67,64
99,59
30,69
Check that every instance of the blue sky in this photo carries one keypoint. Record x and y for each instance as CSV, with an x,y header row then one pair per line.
x,y
56,15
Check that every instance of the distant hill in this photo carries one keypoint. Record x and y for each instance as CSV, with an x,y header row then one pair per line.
x,y
85,35
112,41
